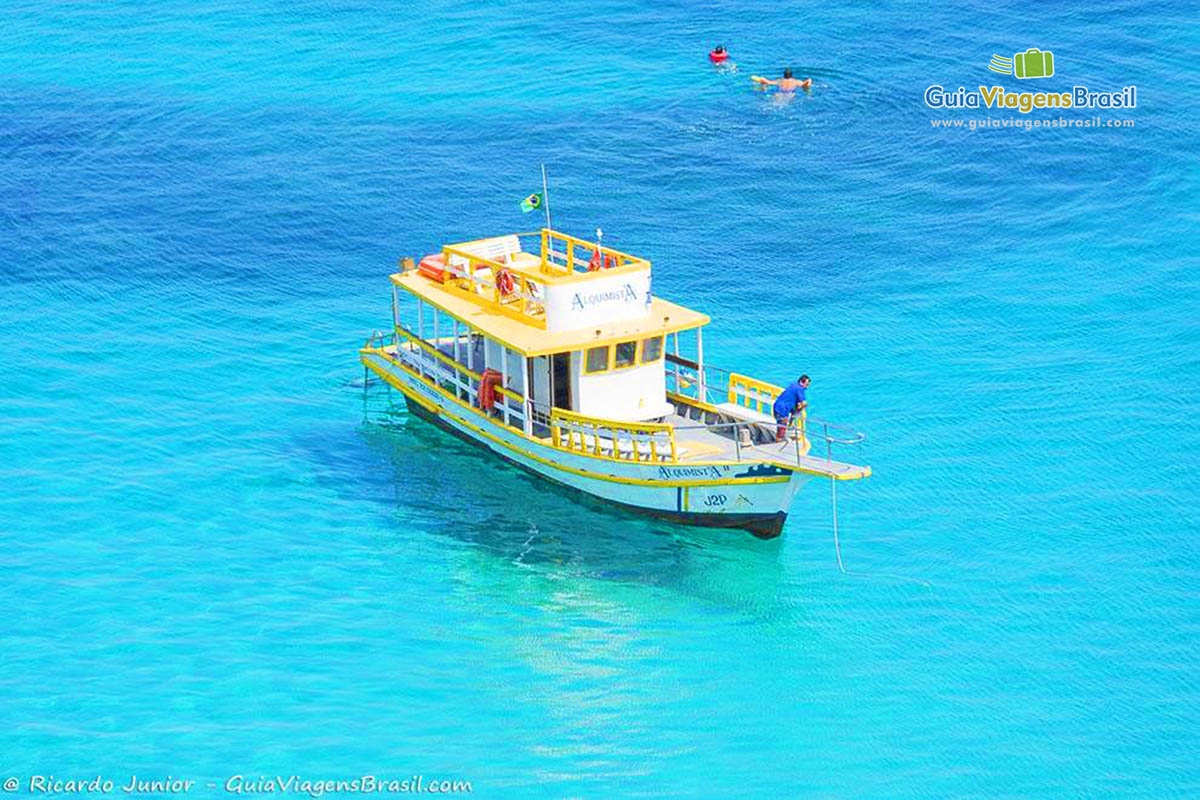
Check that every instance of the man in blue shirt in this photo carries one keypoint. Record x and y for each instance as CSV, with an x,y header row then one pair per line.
x,y
791,401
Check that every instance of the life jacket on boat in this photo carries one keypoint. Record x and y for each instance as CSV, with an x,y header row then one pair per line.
x,y
487,388
598,262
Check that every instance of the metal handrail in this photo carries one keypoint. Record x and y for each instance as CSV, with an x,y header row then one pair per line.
x,y
718,381
428,362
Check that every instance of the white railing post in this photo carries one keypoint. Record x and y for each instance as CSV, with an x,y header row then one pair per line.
x,y
678,385
458,376
504,379
420,356
527,406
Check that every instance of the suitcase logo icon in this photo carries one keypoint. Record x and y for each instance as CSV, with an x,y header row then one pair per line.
x,y
1033,63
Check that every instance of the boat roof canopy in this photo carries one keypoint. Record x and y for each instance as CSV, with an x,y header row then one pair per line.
x,y
664,317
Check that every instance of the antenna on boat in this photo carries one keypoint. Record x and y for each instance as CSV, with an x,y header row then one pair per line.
x,y
546,197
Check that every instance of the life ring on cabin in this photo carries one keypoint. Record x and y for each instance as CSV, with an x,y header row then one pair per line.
x,y
505,282
487,388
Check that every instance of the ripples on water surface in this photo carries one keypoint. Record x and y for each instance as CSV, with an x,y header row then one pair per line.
x,y
221,556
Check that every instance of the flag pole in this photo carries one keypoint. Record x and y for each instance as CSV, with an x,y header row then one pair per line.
x,y
546,196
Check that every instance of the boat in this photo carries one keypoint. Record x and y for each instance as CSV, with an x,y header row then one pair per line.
x,y
551,352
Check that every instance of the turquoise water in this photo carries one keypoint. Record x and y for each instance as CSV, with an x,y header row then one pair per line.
x,y
221,556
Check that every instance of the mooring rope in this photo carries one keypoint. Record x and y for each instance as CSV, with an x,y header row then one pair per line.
x,y
837,548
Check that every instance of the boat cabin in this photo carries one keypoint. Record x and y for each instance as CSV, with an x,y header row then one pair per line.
x,y
566,323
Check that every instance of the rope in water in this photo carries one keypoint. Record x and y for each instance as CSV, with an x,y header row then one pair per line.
x,y
837,548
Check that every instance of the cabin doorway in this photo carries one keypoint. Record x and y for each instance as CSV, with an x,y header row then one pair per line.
x,y
560,380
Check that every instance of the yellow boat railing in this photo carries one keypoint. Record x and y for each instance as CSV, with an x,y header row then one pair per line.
x,y
473,270
752,393
448,375
624,441
560,256
476,279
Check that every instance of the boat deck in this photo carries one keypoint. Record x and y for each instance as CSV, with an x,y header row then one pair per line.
x,y
698,444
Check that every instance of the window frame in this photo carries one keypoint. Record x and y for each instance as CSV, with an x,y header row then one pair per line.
x,y
662,340
587,359
637,351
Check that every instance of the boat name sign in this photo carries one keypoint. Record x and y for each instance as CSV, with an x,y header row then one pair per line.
x,y
604,300
712,471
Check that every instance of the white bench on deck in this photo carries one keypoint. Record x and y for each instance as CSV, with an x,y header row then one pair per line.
x,y
504,250
746,397
497,248
655,411
746,414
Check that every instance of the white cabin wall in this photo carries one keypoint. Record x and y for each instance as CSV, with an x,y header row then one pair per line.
x,y
496,354
632,393
541,380
491,353
601,300
516,374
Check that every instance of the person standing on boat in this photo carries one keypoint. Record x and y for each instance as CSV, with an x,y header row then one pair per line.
x,y
791,401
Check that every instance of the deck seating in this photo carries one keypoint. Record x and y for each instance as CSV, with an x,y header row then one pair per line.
x,y
498,248
747,414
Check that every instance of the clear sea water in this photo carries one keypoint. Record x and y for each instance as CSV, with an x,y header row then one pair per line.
x,y
221,556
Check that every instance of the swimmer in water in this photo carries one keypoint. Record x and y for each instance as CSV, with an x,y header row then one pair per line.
x,y
787,83
719,56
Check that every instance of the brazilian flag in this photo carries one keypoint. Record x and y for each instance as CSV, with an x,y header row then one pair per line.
x,y
532,203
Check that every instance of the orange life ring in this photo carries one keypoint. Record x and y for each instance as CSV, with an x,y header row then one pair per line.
x,y
487,388
505,282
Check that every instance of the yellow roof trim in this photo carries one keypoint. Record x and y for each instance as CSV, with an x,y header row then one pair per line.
x,y
665,317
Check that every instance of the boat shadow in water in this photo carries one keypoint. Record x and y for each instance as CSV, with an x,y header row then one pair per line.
x,y
429,483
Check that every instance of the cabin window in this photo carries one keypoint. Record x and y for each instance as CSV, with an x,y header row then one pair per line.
x,y
626,355
651,349
597,359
